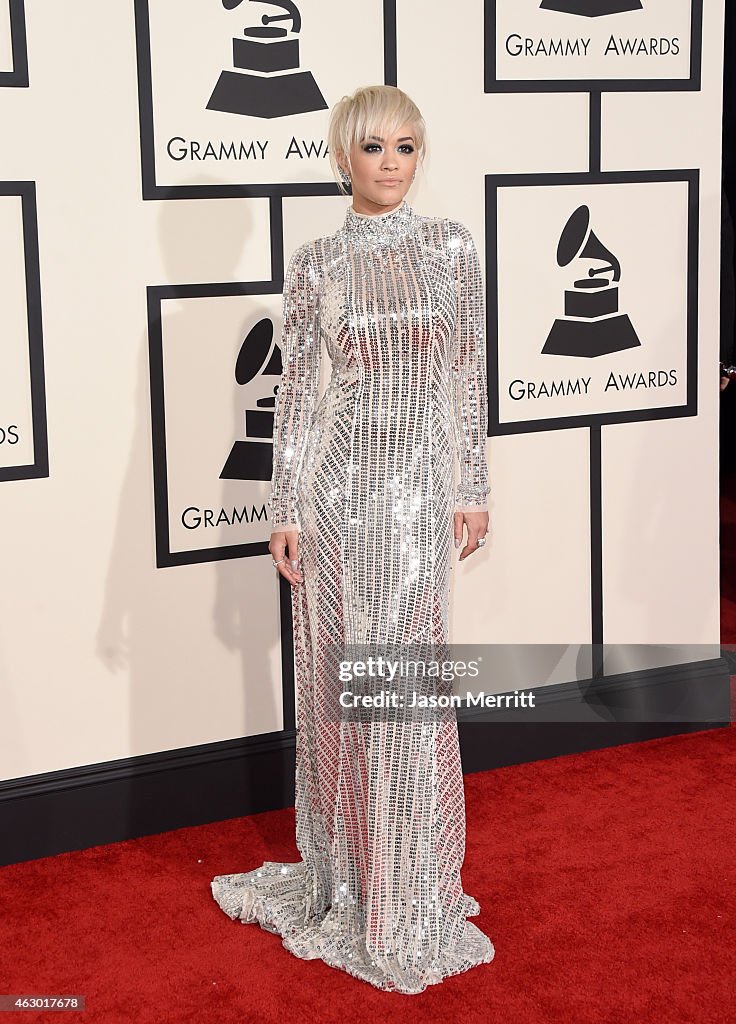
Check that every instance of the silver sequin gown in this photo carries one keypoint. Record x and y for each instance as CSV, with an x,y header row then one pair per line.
x,y
368,476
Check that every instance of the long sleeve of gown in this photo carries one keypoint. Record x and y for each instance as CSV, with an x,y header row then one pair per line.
x,y
469,381
297,394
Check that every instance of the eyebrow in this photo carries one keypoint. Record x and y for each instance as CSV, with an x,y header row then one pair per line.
x,y
404,138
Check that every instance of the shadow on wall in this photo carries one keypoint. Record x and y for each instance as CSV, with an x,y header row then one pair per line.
x,y
142,637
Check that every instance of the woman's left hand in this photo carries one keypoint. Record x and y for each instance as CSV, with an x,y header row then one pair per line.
x,y
477,527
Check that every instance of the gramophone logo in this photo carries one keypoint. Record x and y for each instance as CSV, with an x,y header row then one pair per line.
x,y
215,370
251,458
591,8
267,81
592,324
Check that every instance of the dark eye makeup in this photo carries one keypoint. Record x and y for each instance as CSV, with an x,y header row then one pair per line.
x,y
406,146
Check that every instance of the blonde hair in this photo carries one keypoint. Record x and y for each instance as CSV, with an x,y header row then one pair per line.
x,y
371,110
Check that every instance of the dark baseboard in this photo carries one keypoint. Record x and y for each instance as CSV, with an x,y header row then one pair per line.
x,y
74,809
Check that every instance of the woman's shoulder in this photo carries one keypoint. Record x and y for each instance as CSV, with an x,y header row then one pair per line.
x,y
438,233
313,252
447,233
301,259
309,257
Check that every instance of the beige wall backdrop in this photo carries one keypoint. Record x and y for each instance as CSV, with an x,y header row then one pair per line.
x,y
104,653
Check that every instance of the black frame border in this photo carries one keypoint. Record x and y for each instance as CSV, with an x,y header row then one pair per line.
x,y
17,78
494,182
155,296
151,189
491,84
40,465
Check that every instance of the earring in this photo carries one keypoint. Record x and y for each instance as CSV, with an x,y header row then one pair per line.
x,y
344,175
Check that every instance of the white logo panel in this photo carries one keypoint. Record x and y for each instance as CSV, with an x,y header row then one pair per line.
x,y
593,301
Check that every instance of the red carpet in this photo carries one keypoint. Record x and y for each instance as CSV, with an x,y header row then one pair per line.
x,y
606,882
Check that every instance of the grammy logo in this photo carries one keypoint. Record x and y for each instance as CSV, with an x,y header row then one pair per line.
x,y
591,8
267,82
252,458
592,325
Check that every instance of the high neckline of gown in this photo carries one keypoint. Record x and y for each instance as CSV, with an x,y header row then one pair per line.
x,y
380,228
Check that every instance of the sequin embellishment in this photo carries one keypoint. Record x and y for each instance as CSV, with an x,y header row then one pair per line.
x,y
367,475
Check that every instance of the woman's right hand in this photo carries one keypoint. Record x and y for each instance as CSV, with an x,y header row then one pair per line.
x,y
284,544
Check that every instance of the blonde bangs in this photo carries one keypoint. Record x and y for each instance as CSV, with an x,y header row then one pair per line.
x,y
371,110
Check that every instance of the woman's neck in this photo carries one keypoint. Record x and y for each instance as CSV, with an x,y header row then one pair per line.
x,y
375,230
371,213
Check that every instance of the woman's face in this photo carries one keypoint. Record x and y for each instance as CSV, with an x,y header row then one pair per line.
x,y
382,170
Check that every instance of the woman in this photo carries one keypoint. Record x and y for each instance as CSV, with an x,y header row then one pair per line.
x,y
363,504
